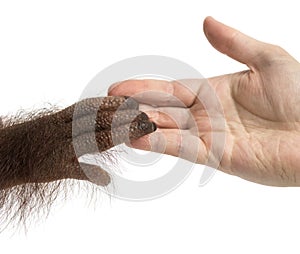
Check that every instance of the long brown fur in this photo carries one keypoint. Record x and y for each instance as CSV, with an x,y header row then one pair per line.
x,y
39,152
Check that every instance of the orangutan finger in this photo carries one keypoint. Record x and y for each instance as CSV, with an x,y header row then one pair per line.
x,y
93,105
103,140
106,120
94,174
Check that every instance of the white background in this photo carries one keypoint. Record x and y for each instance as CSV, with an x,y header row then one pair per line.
x,y
49,51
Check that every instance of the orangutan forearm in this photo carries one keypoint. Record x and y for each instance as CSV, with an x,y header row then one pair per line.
x,y
39,151
42,150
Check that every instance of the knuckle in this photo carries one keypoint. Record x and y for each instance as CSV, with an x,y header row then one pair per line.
x,y
269,53
277,49
272,50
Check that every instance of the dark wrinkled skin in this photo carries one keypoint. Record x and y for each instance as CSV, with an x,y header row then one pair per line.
x,y
38,152
42,150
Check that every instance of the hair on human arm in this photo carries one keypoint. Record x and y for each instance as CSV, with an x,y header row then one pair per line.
x,y
39,151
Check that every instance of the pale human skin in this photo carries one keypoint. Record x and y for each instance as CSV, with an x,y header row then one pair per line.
x,y
260,105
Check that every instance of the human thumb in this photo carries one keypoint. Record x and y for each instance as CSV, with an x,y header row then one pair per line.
x,y
235,44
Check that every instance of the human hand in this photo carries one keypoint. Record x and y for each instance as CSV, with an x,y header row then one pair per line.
x,y
259,107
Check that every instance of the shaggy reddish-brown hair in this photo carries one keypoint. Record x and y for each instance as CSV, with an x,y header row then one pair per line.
x,y
39,152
